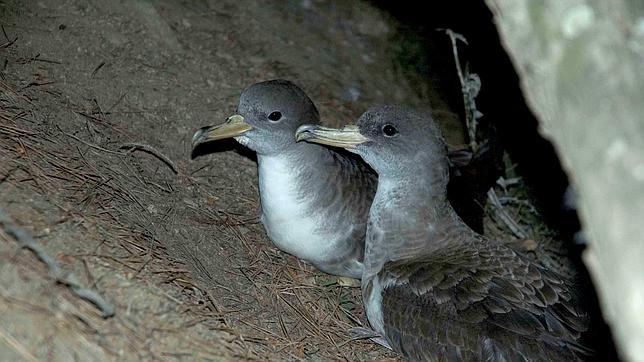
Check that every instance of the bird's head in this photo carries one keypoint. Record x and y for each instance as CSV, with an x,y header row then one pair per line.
x,y
394,140
267,116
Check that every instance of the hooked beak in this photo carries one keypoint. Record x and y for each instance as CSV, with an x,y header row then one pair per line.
x,y
347,137
234,126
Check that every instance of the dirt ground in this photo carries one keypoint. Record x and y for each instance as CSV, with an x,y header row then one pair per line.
x,y
174,245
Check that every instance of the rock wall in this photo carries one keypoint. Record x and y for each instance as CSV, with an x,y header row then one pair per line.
x,y
581,65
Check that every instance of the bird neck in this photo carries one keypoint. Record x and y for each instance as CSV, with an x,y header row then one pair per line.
x,y
411,218
302,169
415,191
300,155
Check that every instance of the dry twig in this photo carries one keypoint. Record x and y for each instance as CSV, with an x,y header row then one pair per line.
x,y
470,87
151,150
27,241
504,216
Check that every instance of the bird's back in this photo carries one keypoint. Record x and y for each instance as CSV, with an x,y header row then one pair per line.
x,y
483,301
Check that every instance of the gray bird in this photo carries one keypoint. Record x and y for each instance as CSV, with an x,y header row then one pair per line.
x,y
314,200
432,287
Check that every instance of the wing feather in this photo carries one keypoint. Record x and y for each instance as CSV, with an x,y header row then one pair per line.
x,y
483,303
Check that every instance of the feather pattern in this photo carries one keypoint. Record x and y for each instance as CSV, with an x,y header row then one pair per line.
x,y
435,289
327,227
459,304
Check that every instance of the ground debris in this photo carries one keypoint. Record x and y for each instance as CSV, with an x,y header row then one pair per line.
x,y
151,150
68,279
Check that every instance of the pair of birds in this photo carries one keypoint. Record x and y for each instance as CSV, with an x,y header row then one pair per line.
x,y
432,288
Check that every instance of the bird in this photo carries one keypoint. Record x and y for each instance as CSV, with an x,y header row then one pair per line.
x,y
432,288
314,200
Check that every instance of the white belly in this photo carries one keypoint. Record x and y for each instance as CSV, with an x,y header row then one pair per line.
x,y
285,216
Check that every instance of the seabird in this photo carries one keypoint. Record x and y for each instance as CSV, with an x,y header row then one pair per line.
x,y
314,200
432,287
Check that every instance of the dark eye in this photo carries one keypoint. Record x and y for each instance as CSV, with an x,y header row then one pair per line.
x,y
275,116
389,130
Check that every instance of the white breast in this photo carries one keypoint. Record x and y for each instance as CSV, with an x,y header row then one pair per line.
x,y
286,217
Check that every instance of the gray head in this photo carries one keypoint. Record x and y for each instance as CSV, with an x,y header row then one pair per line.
x,y
394,140
267,117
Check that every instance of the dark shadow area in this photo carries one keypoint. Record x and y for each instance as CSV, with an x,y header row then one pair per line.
x,y
508,123
471,175
222,146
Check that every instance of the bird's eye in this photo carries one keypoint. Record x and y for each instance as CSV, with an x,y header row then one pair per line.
x,y
275,116
389,130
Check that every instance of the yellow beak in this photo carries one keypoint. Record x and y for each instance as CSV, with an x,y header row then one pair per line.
x,y
234,126
347,137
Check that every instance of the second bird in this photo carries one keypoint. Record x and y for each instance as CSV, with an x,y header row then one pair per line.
x,y
432,287
315,200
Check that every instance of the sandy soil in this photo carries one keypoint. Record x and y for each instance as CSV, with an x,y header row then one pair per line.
x,y
179,253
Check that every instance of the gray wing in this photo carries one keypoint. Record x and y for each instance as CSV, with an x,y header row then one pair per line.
x,y
349,186
482,303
